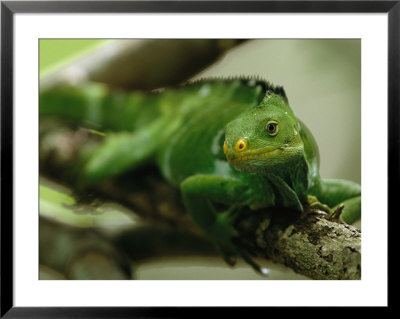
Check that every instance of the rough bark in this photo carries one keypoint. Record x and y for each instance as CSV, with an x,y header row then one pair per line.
x,y
312,245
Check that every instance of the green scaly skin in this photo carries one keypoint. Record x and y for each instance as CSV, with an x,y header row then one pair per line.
x,y
233,142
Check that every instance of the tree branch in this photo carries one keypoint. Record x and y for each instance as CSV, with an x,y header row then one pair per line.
x,y
313,245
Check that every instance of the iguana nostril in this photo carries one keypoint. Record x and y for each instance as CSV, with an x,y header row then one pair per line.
x,y
241,145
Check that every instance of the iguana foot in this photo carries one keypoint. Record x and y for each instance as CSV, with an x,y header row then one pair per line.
x,y
226,253
229,250
316,207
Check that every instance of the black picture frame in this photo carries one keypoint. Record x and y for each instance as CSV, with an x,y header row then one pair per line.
x,y
9,8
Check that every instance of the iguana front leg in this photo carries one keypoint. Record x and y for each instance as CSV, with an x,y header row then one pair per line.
x,y
199,192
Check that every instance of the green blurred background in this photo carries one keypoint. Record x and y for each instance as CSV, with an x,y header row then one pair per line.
x,y
322,79
55,53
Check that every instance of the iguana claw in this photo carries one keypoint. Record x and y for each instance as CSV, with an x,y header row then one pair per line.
x,y
229,252
337,212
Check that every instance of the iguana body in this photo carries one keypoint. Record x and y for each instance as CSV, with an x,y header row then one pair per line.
x,y
232,142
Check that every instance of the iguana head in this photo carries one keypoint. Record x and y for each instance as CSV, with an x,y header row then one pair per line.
x,y
265,137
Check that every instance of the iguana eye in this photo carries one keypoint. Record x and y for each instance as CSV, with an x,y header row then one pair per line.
x,y
272,128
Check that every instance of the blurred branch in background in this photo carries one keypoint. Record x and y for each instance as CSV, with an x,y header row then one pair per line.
x,y
81,253
141,64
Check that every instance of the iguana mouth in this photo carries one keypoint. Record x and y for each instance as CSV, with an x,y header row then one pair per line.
x,y
254,154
